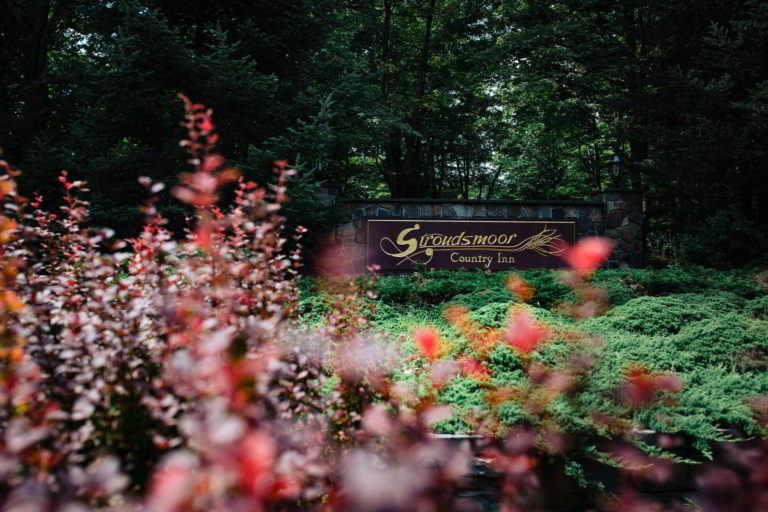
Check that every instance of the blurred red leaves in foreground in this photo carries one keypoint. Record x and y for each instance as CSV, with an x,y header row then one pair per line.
x,y
474,368
428,341
642,387
587,254
519,287
524,333
257,453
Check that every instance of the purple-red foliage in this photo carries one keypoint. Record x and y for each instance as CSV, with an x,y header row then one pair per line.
x,y
165,375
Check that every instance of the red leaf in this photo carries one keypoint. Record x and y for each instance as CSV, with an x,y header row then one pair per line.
x,y
473,368
203,236
642,387
524,334
588,253
428,341
519,287
184,194
211,163
256,457
669,382
173,483
376,420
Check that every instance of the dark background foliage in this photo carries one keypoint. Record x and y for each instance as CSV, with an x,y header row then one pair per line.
x,y
435,98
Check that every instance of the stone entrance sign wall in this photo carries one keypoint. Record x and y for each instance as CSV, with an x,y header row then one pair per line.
x,y
615,214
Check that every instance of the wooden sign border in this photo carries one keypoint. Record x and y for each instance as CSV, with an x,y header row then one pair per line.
x,y
368,219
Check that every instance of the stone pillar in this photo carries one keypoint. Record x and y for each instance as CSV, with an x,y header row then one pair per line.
x,y
623,223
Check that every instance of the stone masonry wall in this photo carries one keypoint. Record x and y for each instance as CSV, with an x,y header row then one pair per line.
x,y
623,222
612,215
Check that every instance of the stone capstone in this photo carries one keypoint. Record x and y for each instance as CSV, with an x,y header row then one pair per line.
x,y
412,210
495,211
463,210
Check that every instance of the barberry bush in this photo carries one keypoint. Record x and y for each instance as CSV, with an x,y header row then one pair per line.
x,y
165,374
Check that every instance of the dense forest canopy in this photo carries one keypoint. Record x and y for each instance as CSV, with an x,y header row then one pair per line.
x,y
404,98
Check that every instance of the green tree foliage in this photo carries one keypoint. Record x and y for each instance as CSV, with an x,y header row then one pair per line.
x,y
436,98
415,86
111,75
676,88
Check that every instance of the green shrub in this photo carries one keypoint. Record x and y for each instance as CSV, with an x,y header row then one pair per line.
x,y
511,413
743,286
570,416
475,289
316,304
726,239
479,299
665,315
398,318
505,365
467,287
554,353
465,392
495,314
722,340
618,293
713,397
715,356
434,286
759,308
453,425
706,325
690,279
548,289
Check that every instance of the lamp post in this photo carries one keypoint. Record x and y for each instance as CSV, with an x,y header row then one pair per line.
x,y
617,170
622,214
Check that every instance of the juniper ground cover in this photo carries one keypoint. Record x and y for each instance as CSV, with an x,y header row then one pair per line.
x,y
706,327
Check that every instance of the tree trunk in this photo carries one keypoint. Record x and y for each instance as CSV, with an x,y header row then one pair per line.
x,y
26,27
637,136
404,160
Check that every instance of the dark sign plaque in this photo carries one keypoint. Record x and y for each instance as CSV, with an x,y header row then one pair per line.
x,y
405,244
